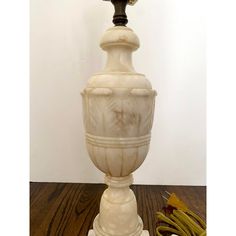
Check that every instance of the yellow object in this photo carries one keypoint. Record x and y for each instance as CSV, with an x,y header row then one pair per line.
x,y
174,201
181,221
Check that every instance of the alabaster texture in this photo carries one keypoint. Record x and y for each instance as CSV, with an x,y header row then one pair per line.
x,y
118,122
118,202
118,105
92,233
118,108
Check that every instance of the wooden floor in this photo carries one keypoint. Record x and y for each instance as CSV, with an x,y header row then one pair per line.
x,y
69,209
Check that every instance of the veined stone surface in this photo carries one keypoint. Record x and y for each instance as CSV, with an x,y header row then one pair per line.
x,y
144,233
118,106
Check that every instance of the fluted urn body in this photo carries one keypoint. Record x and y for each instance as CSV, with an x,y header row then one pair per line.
x,y
118,106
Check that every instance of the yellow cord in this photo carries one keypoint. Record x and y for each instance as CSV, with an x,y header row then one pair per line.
x,y
182,221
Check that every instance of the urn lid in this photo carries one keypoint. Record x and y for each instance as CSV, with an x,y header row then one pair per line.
x,y
119,36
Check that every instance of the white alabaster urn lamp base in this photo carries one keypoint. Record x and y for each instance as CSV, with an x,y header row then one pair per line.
x,y
118,106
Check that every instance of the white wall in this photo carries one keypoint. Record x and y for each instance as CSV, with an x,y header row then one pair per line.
x,y
65,51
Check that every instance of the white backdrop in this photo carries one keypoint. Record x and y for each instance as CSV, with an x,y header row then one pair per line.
x,y
65,51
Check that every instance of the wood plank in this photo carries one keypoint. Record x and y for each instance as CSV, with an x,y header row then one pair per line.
x,y
69,209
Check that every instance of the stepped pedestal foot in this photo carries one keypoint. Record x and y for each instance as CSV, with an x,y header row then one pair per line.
x,y
144,233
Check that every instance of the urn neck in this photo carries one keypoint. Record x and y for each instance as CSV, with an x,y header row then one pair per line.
x,y
119,59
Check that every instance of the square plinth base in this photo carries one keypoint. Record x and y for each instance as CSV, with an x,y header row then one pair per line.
x,y
145,233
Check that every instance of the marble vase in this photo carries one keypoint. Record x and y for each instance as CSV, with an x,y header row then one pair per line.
x,y
118,107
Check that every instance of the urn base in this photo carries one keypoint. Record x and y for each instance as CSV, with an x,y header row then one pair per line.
x,y
144,233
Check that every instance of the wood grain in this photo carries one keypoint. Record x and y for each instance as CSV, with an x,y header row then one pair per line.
x,y
66,209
